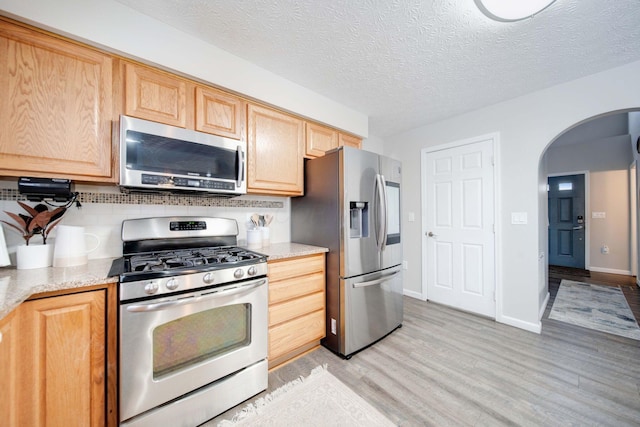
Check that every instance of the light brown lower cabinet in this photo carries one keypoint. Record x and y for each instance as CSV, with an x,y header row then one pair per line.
x,y
58,361
296,307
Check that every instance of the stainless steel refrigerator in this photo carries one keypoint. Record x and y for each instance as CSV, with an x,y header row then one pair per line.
x,y
351,205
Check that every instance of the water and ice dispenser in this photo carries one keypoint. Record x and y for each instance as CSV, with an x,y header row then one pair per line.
x,y
358,220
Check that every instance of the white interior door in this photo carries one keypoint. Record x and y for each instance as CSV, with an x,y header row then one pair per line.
x,y
459,227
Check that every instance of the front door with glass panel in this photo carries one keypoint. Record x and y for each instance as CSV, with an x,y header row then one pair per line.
x,y
567,221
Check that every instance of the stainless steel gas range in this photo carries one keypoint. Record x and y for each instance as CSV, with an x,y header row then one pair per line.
x,y
193,321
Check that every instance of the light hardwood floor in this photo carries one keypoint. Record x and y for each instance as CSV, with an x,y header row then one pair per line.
x,y
446,367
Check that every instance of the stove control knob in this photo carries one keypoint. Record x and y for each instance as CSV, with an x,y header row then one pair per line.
x,y
172,284
151,288
208,278
238,273
252,271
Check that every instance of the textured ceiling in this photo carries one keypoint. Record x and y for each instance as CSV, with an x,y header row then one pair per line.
x,y
407,63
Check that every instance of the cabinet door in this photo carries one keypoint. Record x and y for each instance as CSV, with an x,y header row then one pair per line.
x,y
56,107
219,113
320,139
275,146
155,95
62,363
349,140
8,368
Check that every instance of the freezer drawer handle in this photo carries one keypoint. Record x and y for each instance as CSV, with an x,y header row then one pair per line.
x,y
376,281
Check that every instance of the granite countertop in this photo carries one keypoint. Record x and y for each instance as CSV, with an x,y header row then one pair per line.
x,y
16,286
288,250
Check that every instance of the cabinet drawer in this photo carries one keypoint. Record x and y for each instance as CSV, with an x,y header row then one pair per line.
x,y
295,287
291,309
284,269
293,334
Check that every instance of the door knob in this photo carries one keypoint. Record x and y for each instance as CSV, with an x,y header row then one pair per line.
x,y
431,234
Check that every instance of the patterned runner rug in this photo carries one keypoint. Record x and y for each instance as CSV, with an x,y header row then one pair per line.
x,y
317,400
603,308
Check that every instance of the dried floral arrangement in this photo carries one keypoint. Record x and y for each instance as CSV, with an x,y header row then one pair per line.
x,y
40,220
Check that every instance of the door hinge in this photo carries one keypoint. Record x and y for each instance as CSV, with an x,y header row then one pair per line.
x,y
494,296
493,161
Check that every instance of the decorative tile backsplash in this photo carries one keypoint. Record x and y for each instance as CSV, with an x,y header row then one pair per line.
x,y
103,211
156,199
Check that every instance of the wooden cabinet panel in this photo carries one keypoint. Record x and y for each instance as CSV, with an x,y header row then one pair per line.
x,y
296,306
288,310
282,290
319,139
155,95
58,360
219,113
294,267
56,107
288,336
275,145
9,356
62,375
349,140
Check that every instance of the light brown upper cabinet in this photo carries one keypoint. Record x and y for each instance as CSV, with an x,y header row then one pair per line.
x,y
157,96
56,107
319,139
275,145
162,97
349,140
219,113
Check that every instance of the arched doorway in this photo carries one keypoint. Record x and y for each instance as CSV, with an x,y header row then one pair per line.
x,y
602,150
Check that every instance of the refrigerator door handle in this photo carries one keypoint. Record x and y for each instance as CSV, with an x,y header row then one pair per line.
x,y
376,281
381,206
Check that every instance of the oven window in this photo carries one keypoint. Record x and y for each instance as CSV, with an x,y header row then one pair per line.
x,y
191,339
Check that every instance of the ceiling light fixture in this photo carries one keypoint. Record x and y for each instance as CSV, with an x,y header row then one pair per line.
x,y
512,10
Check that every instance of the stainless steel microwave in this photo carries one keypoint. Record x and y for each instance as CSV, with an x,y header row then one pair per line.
x,y
159,157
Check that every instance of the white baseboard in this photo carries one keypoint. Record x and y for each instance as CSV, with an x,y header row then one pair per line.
x,y
527,326
544,306
610,270
413,294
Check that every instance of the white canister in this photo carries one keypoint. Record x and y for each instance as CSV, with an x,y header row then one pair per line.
x,y
264,231
70,247
254,238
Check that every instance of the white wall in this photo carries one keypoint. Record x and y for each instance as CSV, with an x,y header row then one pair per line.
x,y
526,126
612,153
111,25
610,194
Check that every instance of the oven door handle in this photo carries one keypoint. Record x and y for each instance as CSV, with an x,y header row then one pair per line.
x,y
158,306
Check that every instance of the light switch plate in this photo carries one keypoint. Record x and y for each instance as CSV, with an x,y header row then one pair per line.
x,y
519,218
411,216
598,215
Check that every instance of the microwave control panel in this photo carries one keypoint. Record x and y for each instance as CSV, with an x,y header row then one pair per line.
x,y
179,182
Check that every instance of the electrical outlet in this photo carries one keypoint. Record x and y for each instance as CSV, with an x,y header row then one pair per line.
x,y
405,265
604,249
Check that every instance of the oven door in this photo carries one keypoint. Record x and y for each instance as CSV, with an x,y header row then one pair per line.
x,y
171,346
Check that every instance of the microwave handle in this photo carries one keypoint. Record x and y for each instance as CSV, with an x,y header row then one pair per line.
x,y
240,158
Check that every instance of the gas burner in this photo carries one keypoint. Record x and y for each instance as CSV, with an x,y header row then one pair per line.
x,y
190,258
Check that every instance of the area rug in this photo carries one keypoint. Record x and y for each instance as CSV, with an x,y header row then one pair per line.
x,y
603,308
317,400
